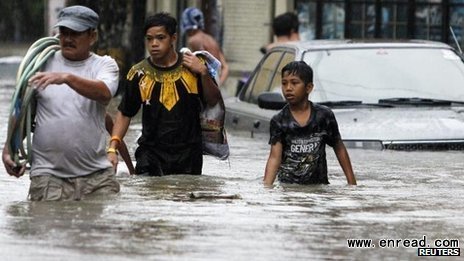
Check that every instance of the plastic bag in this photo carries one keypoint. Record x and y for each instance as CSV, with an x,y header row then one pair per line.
x,y
213,131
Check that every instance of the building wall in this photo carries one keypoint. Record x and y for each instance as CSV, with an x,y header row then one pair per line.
x,y
154,6
282,6
53,7
246,29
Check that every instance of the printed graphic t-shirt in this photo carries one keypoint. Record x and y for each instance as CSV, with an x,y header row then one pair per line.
x,y
304,157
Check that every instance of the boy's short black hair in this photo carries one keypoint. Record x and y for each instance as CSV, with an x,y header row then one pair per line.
x,y
284,24
300,69
162,19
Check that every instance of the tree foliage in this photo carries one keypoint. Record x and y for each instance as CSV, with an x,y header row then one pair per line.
x,y
16,18
120,29
113,17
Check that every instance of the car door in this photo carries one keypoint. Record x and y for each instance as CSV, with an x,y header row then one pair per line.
x,y
245,114
267,76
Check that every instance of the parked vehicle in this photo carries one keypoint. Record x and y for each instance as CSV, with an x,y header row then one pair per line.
x,y
403,95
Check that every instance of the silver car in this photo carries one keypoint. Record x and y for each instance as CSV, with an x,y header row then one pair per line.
x,y
406,95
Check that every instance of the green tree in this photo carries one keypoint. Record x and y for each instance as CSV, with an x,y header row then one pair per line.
x,y
16,18
120,29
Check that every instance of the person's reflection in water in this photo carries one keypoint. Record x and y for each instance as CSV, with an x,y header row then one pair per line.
x,y
51,219
178,187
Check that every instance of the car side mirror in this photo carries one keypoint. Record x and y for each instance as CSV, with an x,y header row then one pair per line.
x,y
271,101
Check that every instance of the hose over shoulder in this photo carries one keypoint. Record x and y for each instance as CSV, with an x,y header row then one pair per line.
x,y
20,114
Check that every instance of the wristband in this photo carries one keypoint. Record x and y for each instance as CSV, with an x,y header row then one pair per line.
x,y
112,150
116,138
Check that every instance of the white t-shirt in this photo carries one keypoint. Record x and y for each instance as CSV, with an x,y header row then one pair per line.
x,y
70,136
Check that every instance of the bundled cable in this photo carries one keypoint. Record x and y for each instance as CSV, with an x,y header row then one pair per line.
x,y
21,108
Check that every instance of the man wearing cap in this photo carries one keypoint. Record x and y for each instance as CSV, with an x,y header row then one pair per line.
x,y
197,40
69,143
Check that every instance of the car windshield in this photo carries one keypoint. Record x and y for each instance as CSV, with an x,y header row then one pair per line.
x,y
368,75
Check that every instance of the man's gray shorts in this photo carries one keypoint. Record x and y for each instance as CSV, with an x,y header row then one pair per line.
x,y
49,187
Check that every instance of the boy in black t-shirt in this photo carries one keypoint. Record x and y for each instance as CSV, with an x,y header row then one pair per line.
x,y
299,133
171,88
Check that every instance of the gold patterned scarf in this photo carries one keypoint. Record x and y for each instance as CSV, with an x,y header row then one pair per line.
x,y
149,76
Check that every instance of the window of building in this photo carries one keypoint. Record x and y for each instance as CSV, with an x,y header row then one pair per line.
x,y
362,24
428,20
333,20
456,22
391,19
394,19
306,11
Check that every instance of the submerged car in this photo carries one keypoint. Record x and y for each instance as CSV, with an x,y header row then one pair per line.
x,y
405,95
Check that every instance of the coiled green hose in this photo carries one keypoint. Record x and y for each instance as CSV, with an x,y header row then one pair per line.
x,y
21,108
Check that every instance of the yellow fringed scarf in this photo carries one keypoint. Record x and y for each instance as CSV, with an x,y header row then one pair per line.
x,y
168,94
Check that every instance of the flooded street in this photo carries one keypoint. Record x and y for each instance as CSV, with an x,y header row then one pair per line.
x,y
227,214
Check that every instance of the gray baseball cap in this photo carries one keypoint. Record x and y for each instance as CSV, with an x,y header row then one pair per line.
x,y
77,18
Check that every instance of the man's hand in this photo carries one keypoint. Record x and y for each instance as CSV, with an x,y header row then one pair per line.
x,y
41,80
11,167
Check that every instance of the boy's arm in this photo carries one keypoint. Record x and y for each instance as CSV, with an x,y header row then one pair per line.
x,y
124,151
122,148
121,124
273,163
211,92
344,160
